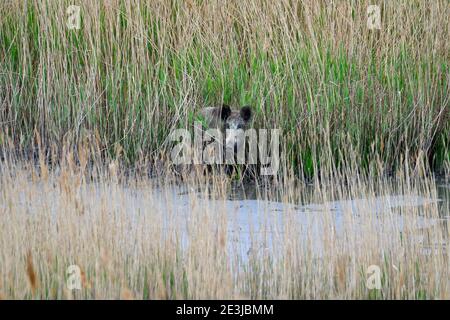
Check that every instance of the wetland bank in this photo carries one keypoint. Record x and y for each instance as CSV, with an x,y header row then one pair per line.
x,y
86,178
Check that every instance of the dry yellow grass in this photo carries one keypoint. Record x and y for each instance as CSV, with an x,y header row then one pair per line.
x,y
31,273
133,240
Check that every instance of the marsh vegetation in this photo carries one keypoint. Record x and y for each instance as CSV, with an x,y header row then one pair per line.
x,y
140,238
86,177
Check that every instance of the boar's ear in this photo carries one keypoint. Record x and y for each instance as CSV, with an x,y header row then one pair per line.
x,y
225,112
246,113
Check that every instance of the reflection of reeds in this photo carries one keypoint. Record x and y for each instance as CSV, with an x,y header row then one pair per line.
x,y
133,241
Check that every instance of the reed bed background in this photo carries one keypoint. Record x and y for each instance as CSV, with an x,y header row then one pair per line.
x,y
138,69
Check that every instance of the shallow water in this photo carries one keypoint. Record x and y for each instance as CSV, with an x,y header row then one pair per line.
x,y
255,225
